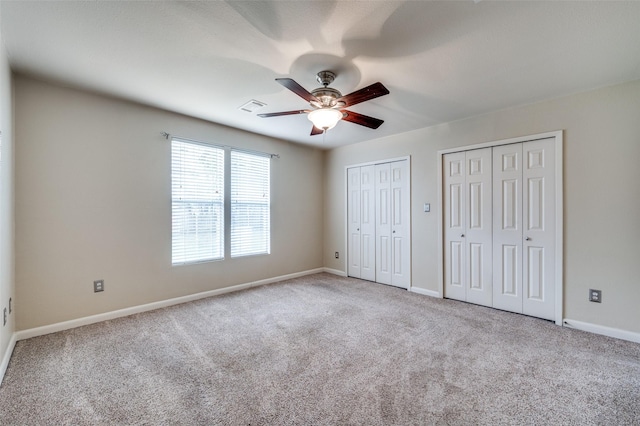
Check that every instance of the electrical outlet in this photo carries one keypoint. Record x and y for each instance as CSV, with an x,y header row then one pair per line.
x,y
595,296
337,255
98,286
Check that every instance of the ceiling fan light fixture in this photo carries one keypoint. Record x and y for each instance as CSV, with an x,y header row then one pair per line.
x,y
327,104
325,118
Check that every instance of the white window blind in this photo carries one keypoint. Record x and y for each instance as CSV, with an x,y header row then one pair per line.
x,y
250,204
197,202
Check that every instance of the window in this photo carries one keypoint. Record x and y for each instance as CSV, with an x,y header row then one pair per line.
x,y
205,190
197,202
250,204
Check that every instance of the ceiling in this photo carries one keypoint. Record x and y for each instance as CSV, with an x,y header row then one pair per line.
x,y
441,61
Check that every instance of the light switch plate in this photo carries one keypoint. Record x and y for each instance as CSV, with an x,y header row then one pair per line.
x,y
427,207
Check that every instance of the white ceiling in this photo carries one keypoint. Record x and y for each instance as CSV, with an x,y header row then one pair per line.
x,y
441,61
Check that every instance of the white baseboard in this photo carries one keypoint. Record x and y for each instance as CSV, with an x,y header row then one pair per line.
x,y
7,356
335,272
601,329
425,292
79,322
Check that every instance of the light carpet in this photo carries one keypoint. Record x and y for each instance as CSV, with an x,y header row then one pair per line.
x,y
323,350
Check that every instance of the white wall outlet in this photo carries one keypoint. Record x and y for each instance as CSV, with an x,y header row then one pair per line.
x,y
98,285
427,207
595,296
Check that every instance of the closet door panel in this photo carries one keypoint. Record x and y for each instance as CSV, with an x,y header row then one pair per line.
x,y
383,223
539,229
500,227
400,223
454,225
507,227
378,223
478,237
353,222
367,223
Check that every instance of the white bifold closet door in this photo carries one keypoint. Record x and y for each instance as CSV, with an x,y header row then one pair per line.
x,y
524,228
392,223
361,225
378,223
499,227
468,237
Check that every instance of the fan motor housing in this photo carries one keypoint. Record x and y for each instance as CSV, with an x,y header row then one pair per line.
x,y
327,97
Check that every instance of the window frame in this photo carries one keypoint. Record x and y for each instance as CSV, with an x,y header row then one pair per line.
x,y
193,196
250,192
227,217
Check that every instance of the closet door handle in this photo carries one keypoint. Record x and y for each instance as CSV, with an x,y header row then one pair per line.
x,y
528,239
461,235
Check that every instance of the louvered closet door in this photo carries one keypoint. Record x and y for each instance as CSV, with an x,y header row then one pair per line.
x,y
468,226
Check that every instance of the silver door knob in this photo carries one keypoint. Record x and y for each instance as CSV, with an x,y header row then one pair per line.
x,y
462,236
394,231
358,229
528,239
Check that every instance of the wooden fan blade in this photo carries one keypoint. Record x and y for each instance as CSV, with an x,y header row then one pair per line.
x,y
297,89
278,114
316,131
369,92
363,120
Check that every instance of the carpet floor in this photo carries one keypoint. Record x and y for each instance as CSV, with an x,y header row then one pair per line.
x,y
323,350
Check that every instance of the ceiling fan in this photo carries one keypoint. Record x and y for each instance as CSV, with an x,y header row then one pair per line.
x,y
328,103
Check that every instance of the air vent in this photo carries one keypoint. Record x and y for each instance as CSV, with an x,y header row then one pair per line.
x,y
252,106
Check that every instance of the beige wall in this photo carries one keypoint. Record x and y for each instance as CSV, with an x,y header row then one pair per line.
x,y
93,202
601,193
6,202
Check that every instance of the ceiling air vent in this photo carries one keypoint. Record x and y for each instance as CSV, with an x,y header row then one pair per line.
x,y
252,106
